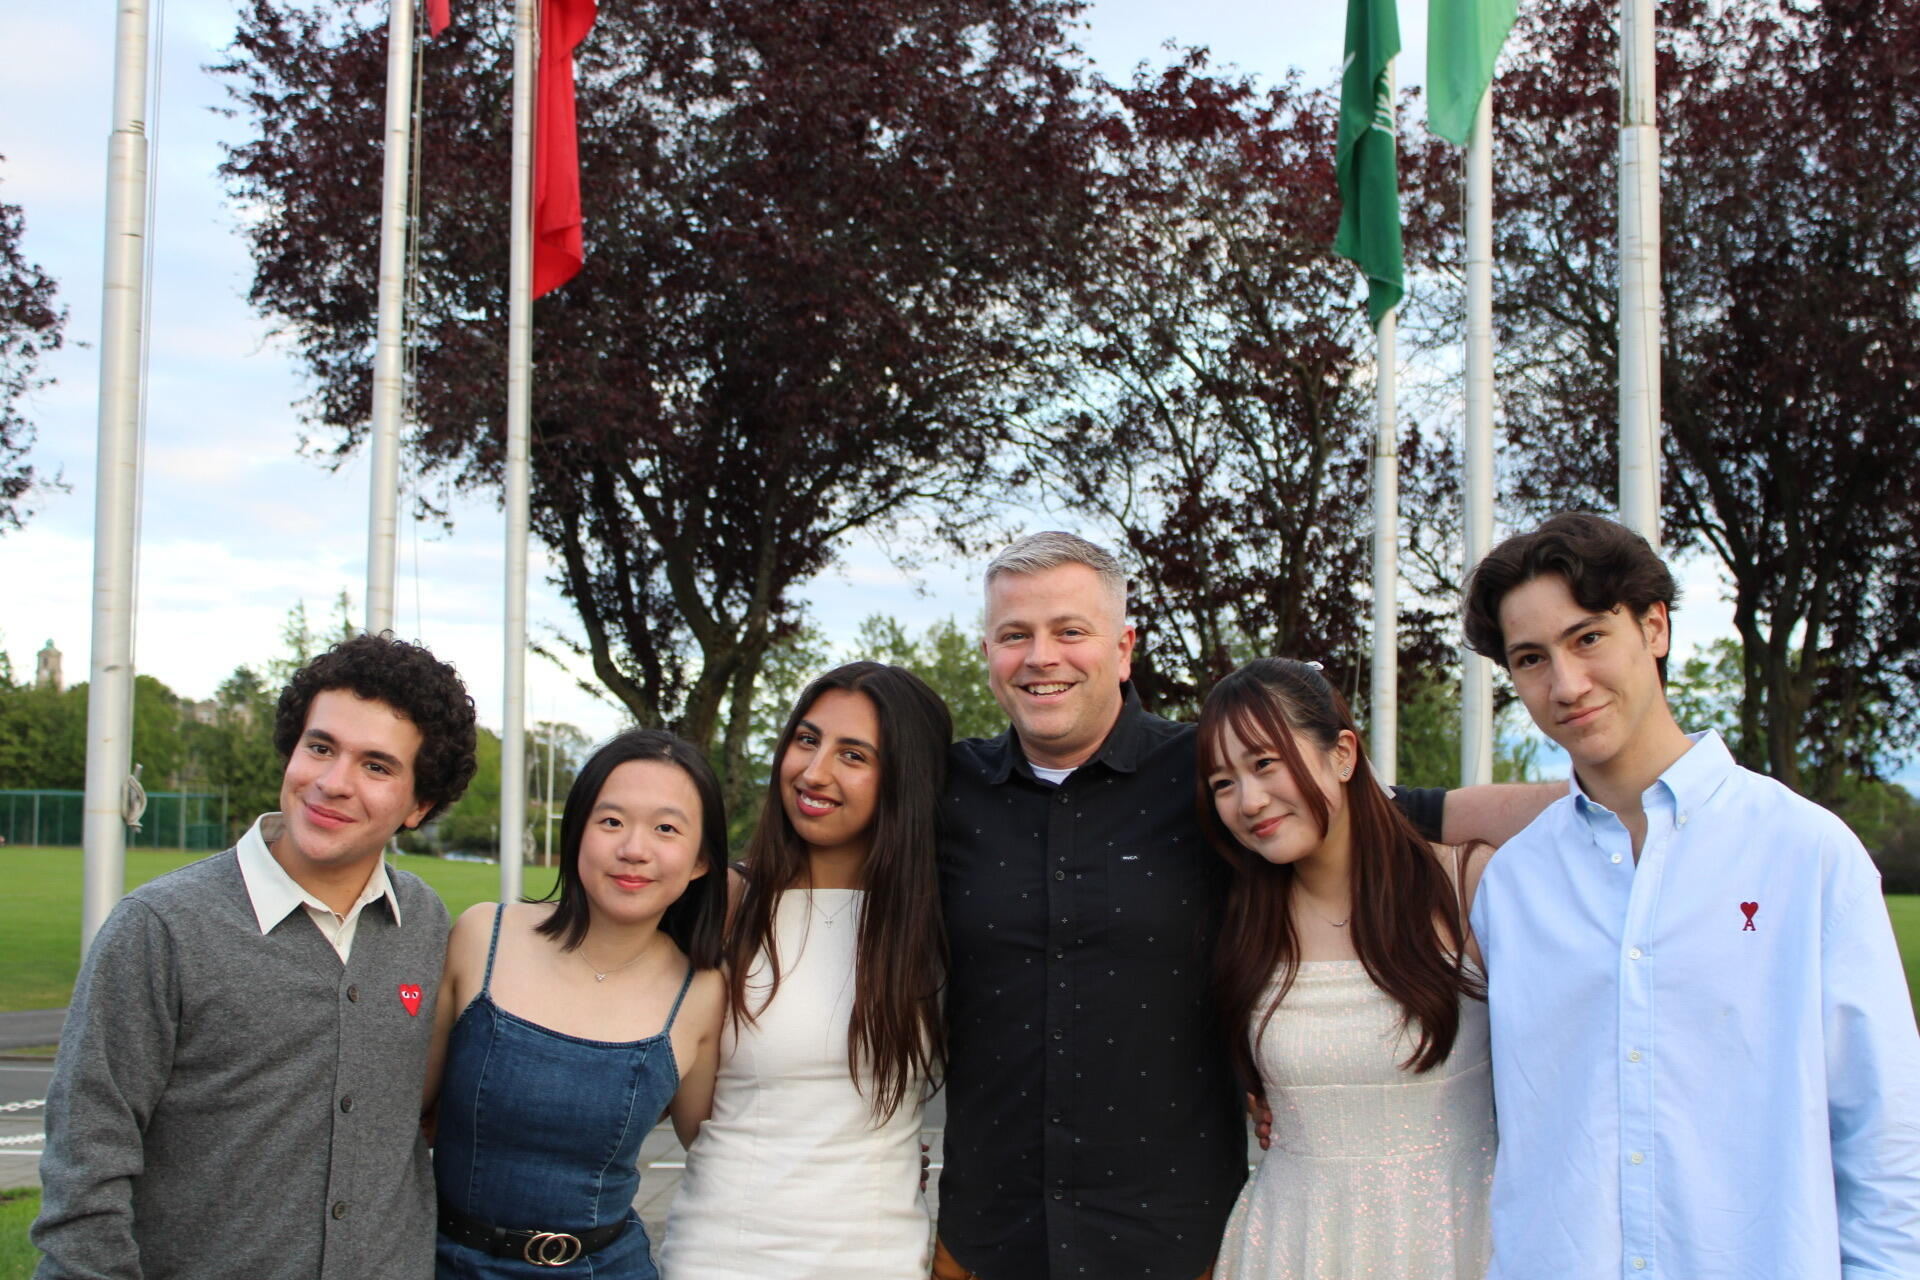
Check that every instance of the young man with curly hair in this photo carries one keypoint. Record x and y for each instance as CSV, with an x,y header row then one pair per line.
x,y
238,1088
1705,1063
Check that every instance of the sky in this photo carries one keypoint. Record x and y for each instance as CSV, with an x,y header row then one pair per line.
x,y
237,525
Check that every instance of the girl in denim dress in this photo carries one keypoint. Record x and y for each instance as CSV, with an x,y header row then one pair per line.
x,y
567,1027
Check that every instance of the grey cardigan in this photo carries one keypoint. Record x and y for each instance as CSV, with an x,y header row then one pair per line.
x,y
232,1105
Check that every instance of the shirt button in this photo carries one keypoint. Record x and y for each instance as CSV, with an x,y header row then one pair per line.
x,y
1059,1035
1634,954
346,1103
1634,1056
1637,1158
1616,857
339,1209
1639,1264
1059,1195
353,994
1681,820
1063,797
1059,875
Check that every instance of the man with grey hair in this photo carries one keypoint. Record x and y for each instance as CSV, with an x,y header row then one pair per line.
x,y
1093,1124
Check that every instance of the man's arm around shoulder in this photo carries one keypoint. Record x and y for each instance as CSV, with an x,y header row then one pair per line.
x,y
116,1053
1495,812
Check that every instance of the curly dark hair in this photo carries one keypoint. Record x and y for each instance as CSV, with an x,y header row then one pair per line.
x,y
410,680
1605,564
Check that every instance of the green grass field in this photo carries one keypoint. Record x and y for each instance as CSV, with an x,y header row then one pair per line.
x,y
40,911
17,1211
1905,910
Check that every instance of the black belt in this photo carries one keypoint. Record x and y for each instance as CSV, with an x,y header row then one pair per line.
x,y
541,1248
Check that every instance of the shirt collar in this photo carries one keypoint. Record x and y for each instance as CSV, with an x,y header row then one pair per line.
x,y
1690,780
1120,752
274,894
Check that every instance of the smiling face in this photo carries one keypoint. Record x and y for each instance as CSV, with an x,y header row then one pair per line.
x,y
830,773
1058,647
1260,802
1589,680
641,844
348,786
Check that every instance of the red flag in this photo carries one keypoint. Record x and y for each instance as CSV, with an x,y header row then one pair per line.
x,y
437,17
557,251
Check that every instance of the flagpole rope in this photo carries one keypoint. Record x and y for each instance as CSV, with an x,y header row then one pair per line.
x,y
410,296
158,46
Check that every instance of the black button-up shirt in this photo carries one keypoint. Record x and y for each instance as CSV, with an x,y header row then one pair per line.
x,y
1093,1123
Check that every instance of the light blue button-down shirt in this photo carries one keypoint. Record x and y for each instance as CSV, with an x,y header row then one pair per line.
x,y
1705,1065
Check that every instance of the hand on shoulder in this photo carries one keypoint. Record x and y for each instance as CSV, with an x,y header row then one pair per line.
x,y
1464,866
1475,866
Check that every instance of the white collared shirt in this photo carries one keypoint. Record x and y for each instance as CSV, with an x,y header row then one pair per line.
x,y
274,893
1705,1065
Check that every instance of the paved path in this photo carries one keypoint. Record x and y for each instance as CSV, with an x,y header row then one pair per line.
x,y
31,1028
22,1080
20,1160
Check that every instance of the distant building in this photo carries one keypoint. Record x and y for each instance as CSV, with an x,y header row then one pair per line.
x,y
206,711
47,672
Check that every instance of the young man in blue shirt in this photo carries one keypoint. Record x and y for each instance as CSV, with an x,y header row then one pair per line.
x,y
1705,1061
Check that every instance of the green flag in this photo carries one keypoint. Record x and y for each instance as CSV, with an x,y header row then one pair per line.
x,y
1463,39
1364,164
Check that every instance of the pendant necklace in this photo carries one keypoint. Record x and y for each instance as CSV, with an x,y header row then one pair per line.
x,y
1337,924
829,917
602,977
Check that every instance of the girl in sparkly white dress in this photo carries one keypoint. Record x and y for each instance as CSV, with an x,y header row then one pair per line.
x,y
810,1163
1352,987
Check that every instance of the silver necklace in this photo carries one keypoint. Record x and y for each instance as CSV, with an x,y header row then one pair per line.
x,y
1338,924
602,977
828,917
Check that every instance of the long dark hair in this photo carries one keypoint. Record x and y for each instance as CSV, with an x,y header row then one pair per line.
x,y
1399,888
897,1034
696,921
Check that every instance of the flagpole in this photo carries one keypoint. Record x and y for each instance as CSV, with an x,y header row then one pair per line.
x,y
513,744
1384,693
117,482
1639,275
1476,694
390,332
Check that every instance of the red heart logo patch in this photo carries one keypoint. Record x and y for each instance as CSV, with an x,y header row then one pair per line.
x,y
410,997
1747,909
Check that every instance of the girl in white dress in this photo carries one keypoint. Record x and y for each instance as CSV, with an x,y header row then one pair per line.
x,y
810,1163
1351,986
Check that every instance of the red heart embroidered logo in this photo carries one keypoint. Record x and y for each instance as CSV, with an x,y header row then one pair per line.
x,y
410,997
1747,909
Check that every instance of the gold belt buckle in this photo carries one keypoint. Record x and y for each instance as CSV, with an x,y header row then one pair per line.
x,y
552,1249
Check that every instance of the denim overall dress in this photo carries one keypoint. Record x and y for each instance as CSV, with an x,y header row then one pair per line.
x,y
541,1131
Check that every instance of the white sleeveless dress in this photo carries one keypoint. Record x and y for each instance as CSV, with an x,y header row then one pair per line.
x,y
1374,1173
790,1179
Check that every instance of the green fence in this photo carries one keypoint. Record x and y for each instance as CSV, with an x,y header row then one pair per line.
x,y
173,820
